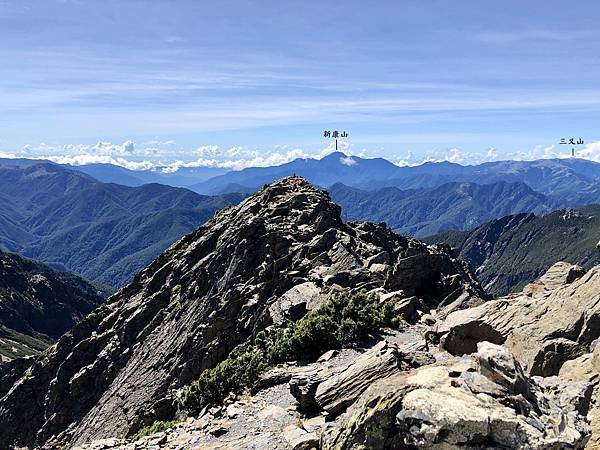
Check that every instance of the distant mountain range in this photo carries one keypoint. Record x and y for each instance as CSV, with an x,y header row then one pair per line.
x,y
334,168
511,251
183,177
575,182
451,206
105,232
38,305
572,181
110,173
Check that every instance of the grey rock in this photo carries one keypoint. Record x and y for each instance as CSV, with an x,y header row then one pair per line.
x,y
295,303
410,308
11,371
273,377
543,330
327,355
303,386
440,407
558,275
338,391
300,439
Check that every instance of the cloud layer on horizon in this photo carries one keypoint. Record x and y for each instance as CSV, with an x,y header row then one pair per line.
x,y
169,157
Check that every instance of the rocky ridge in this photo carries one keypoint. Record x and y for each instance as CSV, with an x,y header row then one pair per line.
x,y
480,401
213,290
405,393
519,372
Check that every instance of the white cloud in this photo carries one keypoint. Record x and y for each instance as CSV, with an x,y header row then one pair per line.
x,y
404,161
590,151
347,160
342,146
237,158
156,147
127,148
269,159
101,148
81,154
167,156
454,155
85,159
207,150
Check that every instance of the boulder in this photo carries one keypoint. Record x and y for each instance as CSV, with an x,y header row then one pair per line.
x,y
338,391
295,303
560,274
303,386
585,370
277,375
328,355
299,439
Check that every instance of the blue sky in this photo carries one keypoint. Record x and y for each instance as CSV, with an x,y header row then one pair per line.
x,y
240,83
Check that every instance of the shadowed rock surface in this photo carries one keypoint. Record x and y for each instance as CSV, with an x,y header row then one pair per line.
x,y
38,305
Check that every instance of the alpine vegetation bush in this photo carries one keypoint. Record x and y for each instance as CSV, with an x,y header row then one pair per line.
x,y
342,321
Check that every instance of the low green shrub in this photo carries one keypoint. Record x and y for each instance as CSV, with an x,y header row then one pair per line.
x,y
240,369
154,428
341,321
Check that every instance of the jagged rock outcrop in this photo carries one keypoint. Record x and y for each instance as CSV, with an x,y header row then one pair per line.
x,y
560,274
583,372
551,322
405,393
340,390
333,389
479,402
209,292
11,371
38,305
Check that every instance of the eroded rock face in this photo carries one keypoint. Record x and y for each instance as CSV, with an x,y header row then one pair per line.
x,y
208,293
475,402
545,326
338,391
578,374
296,302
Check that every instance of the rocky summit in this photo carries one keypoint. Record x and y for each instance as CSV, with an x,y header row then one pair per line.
x,y
278,326
272,258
